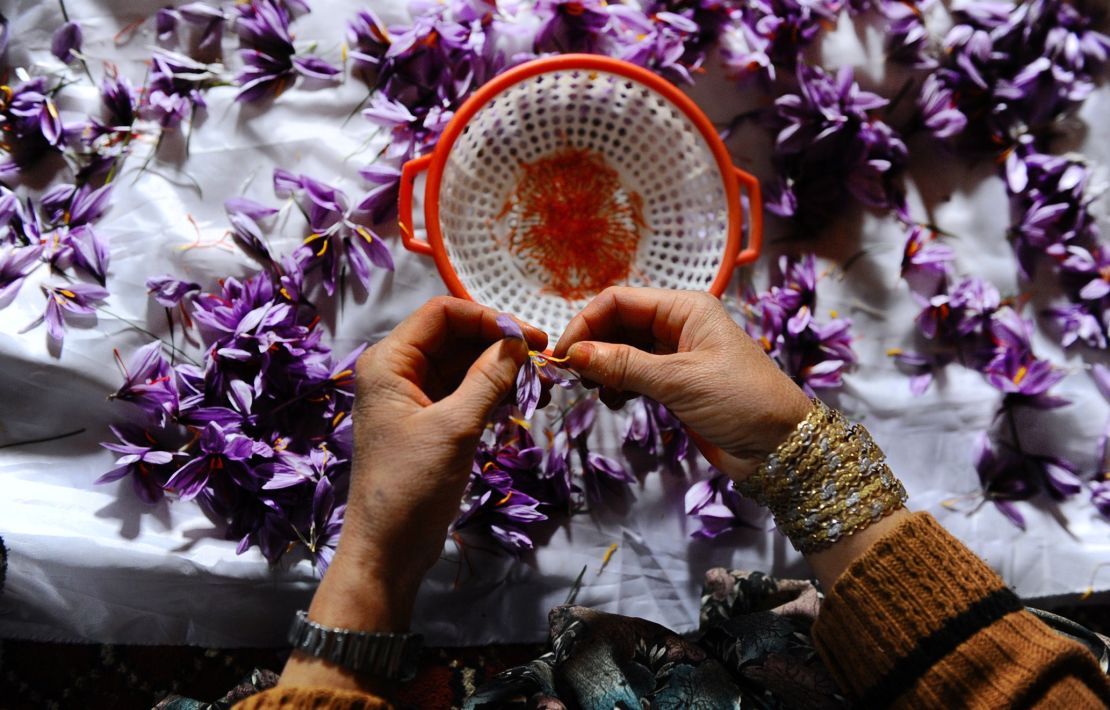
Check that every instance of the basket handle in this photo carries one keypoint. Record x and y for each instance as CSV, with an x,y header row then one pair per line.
x,y
409,171
755,213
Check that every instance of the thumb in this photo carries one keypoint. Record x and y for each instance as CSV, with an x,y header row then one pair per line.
x,y
620,367
488,380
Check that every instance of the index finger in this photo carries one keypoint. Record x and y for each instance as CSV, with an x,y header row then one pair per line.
x,y
443,321
633,315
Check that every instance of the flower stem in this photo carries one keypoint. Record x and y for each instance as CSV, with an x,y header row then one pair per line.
x,y
173,348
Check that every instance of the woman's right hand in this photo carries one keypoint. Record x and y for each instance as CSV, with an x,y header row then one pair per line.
x,y
683,350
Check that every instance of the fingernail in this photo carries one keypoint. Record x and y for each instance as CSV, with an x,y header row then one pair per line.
x,y
580,354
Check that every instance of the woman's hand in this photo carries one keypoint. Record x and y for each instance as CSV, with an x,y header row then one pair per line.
x,y
683,350
422,398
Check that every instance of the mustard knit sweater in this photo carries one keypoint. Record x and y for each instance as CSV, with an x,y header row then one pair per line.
x,y
917,622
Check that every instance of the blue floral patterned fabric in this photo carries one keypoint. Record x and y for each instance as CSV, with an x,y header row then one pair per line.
x,y
753,649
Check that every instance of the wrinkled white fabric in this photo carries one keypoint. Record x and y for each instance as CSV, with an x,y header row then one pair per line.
x,y
93,563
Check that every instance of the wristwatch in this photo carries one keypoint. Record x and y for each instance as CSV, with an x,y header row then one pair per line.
x,y
379,655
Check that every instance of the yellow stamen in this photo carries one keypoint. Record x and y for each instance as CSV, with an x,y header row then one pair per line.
x,y
607,556
521,422
504,500
365,233
338,418
323,249
67,293
51,109
285,293
1020,374
343,52
765,343
487,466
894,352
341,375
834,314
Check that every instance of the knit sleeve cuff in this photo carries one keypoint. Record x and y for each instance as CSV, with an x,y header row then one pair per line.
x,y
294,698
911,599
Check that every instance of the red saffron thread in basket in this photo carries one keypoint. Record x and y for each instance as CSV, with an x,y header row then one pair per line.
x,y
575,223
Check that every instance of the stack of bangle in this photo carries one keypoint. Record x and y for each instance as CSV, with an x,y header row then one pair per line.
x,y
828,480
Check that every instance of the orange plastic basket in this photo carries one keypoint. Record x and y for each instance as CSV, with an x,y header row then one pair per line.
x,y
569,173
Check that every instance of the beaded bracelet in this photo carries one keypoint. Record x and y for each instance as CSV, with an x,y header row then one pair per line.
x,y
828,480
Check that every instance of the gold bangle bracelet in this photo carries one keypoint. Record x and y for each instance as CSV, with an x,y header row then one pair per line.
x,y
828,480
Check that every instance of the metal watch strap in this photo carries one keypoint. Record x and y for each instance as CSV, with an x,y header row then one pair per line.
x,y
381,655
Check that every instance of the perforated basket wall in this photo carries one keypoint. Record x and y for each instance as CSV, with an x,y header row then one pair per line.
x,y
657,150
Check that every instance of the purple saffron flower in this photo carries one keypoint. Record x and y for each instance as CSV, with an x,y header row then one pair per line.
x,y
165,25
716,504
829,148
907,38
1078,324
147,461
939,111
15,263
210,20
781,320
334,233
570,25
268,52
381,201
224,455
176,87
1004,477
118,97
657,42
772,33
528,385
290,469
655,431
327,522
1100,495
368,39
602,475
73,298
149,383
1014,370
1008,474
32,126
925,263
169,291
66,43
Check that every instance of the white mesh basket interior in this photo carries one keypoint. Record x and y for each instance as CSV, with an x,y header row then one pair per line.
x,y
657,151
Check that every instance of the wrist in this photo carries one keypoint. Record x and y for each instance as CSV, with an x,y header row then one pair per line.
x,y
356,593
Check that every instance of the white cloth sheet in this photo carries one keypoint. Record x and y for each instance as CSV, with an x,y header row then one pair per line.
x,y
93,563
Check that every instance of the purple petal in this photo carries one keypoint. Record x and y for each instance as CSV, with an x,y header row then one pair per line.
x,y
67,39
314,67
248,207
509,327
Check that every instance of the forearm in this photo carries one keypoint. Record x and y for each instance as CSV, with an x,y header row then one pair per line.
x,y
918,620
